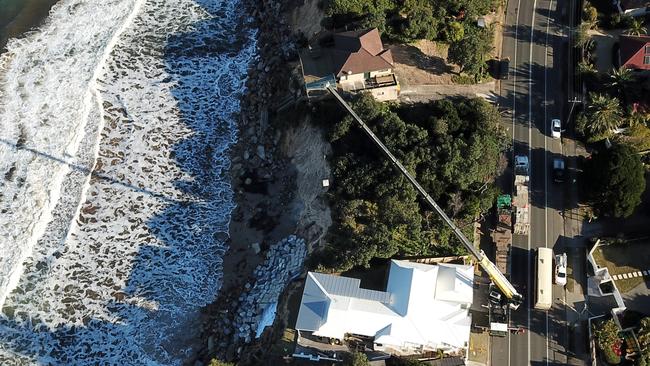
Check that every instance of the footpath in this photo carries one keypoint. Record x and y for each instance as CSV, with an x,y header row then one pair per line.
x,y
576,247
424,93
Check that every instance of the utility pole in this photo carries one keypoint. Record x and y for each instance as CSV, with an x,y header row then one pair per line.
x,y
573,104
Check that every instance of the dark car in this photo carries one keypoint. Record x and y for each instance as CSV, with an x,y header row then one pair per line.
x,y
559,171
504,68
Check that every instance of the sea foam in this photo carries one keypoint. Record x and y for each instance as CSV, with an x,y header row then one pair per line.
x,y
119,203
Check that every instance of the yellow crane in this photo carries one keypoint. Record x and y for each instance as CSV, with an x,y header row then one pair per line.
x,y
508,290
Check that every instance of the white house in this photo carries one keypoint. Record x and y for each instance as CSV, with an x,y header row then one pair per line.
x,y
424,308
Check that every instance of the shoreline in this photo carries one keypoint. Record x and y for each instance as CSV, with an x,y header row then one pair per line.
x,y
32,14
277,165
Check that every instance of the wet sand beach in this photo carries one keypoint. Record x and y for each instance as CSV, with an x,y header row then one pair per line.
x,y
19,16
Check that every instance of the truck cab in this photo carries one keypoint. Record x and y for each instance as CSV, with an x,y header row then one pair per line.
x,y
521,165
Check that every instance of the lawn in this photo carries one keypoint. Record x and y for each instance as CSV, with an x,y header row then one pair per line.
x,y
625,258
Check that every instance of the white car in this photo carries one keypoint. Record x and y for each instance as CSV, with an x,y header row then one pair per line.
x,y
556,128
560,269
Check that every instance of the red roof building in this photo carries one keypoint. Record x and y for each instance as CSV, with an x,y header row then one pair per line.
x,y
358,52
635,52
356,61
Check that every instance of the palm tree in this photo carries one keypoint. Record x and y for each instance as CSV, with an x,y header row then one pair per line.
x,y
582,36
604,114
636,28
621,79
638,119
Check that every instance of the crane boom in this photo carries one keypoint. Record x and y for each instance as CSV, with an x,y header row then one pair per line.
x,y
490,268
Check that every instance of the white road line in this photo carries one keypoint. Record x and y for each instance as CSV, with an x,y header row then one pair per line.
x,y
548,23
514,116
546,337
530,140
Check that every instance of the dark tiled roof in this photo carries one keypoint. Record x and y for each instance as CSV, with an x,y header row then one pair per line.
x,y
360,51
632,50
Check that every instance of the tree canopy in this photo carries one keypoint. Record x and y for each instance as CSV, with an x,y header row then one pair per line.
x,y
356,359
616,181
409,20
609,341
454,149
471,50
643,336
601,117
360,7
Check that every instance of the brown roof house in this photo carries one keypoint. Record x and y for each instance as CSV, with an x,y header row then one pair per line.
x,y
635,52
355,61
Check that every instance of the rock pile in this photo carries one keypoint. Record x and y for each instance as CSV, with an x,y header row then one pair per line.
x,y
270,79
283,263
260,169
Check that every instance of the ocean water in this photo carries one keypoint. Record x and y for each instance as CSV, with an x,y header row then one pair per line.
x,y
115,121
20,16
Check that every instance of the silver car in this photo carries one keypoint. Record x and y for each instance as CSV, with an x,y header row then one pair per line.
x,y
556,128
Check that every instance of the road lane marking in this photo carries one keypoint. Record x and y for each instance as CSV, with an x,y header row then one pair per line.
x,y
514,116
530,158
548,23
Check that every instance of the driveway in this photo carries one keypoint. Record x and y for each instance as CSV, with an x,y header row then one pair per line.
x,y
638,299
605,41
423,93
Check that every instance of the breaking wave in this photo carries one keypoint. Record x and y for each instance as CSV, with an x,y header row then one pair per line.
x,y
115,122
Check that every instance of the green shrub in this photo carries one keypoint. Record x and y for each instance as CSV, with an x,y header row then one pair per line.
x,y
638,136
608,341
590,14
616,180
452,147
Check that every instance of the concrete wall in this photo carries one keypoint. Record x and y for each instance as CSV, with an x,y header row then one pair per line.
x,y
381,72
352,78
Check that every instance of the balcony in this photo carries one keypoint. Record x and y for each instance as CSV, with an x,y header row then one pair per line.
x,y
369,83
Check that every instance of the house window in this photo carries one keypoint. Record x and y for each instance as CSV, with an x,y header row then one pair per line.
x,y
646,60
366,75
647,49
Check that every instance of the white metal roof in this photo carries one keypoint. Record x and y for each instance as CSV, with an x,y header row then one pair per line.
x,y
423,305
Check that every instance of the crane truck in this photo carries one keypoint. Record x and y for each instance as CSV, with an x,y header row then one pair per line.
x,y
513,297
502,238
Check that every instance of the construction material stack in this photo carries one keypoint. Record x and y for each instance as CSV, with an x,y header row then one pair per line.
x,y
502,234
521,196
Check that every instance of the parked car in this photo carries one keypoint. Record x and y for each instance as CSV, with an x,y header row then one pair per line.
x,y
559,173
560,269
504,68
556,128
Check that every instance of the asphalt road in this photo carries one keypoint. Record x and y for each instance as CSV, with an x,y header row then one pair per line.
x,y
536,42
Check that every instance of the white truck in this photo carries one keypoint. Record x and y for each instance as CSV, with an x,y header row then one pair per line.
x,y
520,200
